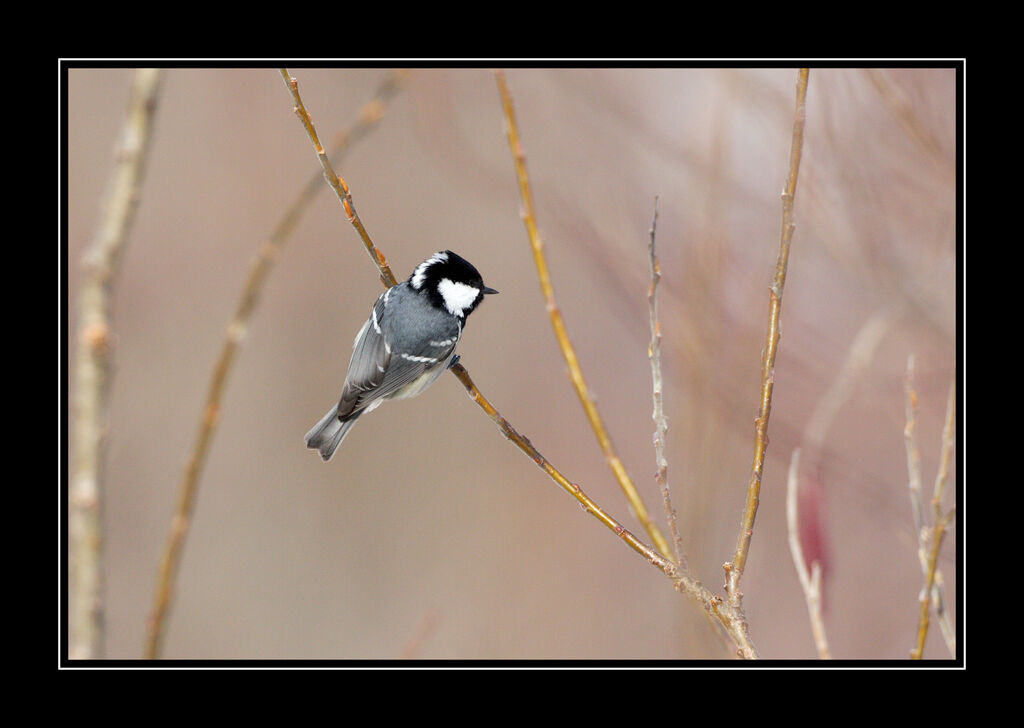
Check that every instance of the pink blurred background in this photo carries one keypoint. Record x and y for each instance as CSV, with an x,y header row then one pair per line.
x,y
430,534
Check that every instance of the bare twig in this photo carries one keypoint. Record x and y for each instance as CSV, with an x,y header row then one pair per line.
x,y
926,533
561,333
368,117
913,454
810,582
660,423
937,534
93,369
337,183
734,569
946,455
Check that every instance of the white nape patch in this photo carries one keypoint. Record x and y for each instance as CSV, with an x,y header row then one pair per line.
x,y
457,296
420,273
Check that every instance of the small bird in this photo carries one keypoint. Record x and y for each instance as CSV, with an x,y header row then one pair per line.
x,y
407,343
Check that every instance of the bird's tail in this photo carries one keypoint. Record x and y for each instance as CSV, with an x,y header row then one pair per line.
x,y
328,433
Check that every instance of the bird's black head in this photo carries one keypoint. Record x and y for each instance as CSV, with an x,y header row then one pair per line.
x,y
451,282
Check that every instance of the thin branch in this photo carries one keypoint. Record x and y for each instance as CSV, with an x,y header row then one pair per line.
x,y
937,534
263,263
573,489
913,454
561,334
946,454
337,183
734,569
810,582
660,423
93,369
923,531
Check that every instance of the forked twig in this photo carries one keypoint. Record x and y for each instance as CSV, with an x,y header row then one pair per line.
x,y
734,569
561,333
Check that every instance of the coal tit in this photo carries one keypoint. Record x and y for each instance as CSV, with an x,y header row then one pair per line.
x,y
407,343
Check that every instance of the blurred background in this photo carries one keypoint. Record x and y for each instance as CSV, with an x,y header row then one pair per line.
x,y
431,536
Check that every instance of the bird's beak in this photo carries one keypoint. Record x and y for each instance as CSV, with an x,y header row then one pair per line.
x,y
489,290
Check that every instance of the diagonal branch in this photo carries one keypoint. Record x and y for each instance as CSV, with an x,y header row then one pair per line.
x,y
734,569
561,333
337,183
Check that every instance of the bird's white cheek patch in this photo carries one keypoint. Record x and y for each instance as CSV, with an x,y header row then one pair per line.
x,y
457,296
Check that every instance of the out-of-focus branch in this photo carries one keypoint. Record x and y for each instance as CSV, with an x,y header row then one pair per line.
x,y
93,369
858,357
910,120
263,263
810,582
734,569
946,455
658,415
561,333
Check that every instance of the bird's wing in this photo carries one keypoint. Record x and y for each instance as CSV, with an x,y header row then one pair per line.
x,y
378,369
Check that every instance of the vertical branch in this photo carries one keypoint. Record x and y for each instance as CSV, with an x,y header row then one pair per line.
x,y
946,455
933,591
913,454
937,534
93,369
561,333
811,582
734,570
660,424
